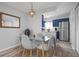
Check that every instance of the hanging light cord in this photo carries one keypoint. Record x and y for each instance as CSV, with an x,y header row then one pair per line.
x,y
32,12
31,5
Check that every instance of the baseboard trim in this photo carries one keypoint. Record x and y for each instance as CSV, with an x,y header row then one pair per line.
x,y
9,47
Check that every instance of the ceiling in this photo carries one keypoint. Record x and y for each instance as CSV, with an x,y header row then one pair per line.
x,y
49,9
63,9
38,6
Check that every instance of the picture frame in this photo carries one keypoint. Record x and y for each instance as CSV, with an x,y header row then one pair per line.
x,y
9,21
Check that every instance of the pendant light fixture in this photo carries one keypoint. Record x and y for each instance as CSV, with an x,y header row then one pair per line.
x,y
32,11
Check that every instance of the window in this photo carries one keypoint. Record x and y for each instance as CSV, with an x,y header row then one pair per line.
x,y
49,25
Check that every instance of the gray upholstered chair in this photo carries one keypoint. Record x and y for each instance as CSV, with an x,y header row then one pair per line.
x,y
27,44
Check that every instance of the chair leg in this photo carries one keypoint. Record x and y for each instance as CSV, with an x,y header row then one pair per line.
x,y
19,50
26,52
23,52
37,52
42,53
31,52
60,53
47,54
53,52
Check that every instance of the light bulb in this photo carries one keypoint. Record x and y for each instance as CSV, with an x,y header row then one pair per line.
x,y
32,12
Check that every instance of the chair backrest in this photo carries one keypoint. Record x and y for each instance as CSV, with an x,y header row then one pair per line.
x,y
26,43
39,36
51,42
49,34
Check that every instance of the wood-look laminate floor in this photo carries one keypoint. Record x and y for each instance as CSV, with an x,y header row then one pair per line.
x,y
63,49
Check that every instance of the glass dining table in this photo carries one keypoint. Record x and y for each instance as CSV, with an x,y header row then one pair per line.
x,y
44,40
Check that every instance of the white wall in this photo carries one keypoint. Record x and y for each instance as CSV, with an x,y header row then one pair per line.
x,y
77,29
74,29
9,36
35,23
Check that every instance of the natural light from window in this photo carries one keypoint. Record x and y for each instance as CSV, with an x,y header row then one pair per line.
x,y
49,25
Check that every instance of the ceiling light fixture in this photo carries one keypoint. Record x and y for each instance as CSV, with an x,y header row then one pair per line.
x,y
32,11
